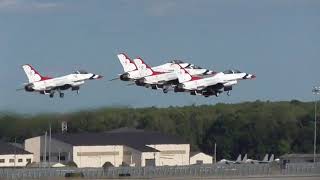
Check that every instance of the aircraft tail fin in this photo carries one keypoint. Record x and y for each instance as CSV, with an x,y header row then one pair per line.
x,y
245,158
143,68
127,64
265,159
32,74
271,159
182,74
239,158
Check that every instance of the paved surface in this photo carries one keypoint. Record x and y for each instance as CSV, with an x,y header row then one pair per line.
x,y
229,178
252,178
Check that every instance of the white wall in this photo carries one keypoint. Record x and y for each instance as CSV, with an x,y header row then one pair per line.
x,y
172,154
206,159
33,145
96,156
15,159
36,146
131,156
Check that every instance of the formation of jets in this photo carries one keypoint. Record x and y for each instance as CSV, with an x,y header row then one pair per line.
x,y
245,160
180,77
176,75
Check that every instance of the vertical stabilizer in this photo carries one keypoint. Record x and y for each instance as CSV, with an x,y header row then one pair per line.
x,y
245,158
265,159
143,68
33,74
126,63
182,74
271,158
239,158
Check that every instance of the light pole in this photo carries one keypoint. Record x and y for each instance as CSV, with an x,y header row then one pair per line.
x,y
315,91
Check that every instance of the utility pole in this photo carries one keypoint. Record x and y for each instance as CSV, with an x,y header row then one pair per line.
x,y
15,151
45,149
215,152
49,144
316,91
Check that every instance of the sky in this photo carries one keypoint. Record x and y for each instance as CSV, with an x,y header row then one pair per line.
x,y
278,40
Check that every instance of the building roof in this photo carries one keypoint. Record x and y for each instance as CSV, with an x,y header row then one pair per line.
x,y
299,156
6,149
197,152
137,139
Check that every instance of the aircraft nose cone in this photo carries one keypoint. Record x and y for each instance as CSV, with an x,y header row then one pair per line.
x,y
99,77
94,76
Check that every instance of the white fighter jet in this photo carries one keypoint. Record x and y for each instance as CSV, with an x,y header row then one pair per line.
x,y
226,161
49,85
132,73
208,85
265,160
164,79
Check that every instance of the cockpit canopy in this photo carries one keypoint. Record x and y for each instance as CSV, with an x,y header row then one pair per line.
x,y
232,71
176,62
192,66
81,72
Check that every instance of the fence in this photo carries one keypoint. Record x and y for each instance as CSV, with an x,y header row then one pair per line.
x,y
302,169
215,170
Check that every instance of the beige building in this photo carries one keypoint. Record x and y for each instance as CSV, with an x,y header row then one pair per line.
x,y
127,147
200,158
12,156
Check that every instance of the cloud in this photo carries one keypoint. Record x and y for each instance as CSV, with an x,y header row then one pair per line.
x,y
27,5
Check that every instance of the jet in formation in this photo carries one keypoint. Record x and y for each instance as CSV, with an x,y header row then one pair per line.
x,y
180,77
48,85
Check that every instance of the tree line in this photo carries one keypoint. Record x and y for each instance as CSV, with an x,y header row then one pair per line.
x,y
255,128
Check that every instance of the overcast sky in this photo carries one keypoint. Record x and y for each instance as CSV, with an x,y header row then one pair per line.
x,y
278,40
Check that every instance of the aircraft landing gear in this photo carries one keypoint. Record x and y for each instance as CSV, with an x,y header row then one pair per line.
x,y
61,95
165,91
154,87
51,95
77,91
228,93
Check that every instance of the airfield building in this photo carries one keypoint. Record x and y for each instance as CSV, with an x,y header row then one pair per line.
x,y
297,158
121,147
12,156
200,158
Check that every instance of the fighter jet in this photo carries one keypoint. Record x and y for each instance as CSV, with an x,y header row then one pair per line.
x,y
237,161
132,73
164,79
48,85
208,85
266,159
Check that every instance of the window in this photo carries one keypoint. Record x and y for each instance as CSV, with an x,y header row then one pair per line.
x,y
11,160
62,158
19,160
28,160
2,161
44,159
199,162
